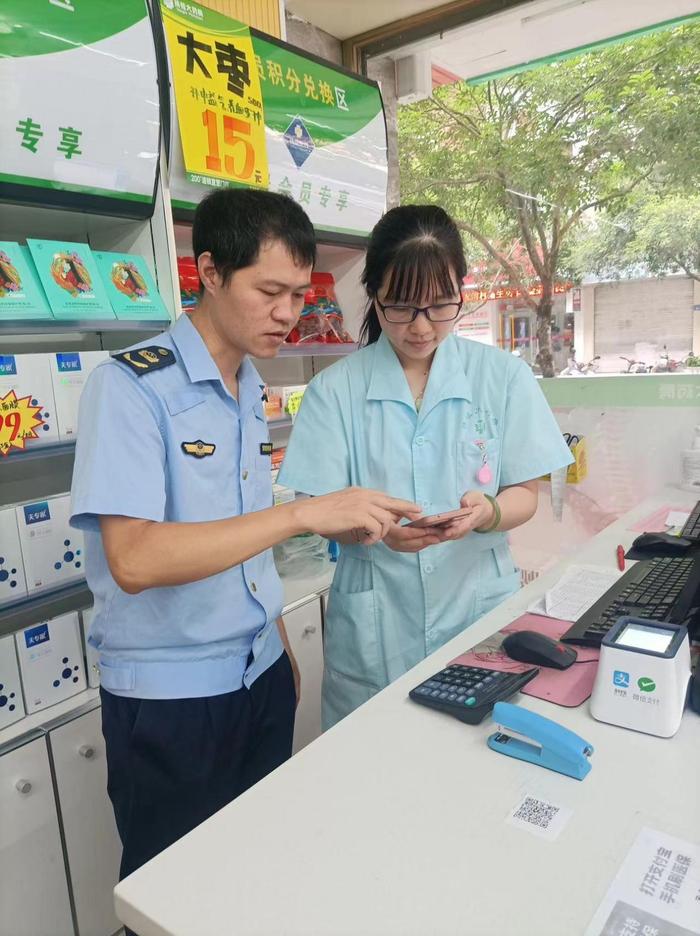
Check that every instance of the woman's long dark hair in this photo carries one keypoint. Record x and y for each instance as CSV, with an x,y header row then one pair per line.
x,y
422,247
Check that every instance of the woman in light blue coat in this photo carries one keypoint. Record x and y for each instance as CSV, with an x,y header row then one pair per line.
x,y
429,417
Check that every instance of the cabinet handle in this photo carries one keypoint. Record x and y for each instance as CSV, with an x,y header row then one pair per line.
x,y
86,751
23,786
309,629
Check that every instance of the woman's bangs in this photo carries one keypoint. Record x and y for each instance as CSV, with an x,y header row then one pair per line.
x,y
421,272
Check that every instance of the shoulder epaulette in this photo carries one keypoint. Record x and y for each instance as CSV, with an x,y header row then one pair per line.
x,y
144,360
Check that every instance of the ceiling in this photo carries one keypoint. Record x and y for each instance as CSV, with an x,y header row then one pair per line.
x,y
345,18
541,28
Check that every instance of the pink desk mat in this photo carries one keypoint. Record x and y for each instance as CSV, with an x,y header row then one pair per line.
x,y
569,687
656,522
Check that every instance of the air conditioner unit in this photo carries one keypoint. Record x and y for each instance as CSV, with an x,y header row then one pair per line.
x,y
414,78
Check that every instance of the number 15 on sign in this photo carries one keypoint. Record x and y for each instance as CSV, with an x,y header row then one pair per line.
x,y
238,162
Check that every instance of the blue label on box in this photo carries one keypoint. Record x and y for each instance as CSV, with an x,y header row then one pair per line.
x,y
68,362
36,635
8,365
35,513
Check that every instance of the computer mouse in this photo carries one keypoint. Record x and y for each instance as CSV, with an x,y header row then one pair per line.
x,y
659,545
530,647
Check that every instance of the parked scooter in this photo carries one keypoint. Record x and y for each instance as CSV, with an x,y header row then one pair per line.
x,y
575,369
635,367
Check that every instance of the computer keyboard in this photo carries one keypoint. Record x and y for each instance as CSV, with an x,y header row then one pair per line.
x,y
691,527
651,589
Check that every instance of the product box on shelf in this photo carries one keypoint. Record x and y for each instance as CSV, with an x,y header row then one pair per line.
x,y
69,371
28,377
53,552
130,286
290,398
13,585
92,657
21,293
72,284
11,703
50,661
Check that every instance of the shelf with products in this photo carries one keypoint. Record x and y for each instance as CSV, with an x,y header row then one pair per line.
x,y
51,327
44,606
12,461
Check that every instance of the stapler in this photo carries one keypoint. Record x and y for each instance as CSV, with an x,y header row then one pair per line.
x,y
538,740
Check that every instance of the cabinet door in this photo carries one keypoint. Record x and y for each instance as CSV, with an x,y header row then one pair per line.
x,y
305,637
92,844
33,886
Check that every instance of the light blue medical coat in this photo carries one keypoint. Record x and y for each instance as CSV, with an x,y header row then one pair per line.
x,y
358,425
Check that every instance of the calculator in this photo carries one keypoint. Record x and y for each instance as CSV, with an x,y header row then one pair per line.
x,y
469,692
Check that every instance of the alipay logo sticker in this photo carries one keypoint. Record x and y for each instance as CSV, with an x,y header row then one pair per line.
x,y
621,679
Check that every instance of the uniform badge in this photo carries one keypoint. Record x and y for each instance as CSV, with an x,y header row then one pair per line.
x,y
266,448
199,449
144,360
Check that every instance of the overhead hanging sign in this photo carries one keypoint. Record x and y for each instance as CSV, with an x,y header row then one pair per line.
x,y
217,96
79,102
325,134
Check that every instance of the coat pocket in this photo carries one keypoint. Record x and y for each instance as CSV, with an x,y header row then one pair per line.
x,y
351,647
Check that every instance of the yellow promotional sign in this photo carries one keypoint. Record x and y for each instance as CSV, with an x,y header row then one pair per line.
x,y
217,95
19,421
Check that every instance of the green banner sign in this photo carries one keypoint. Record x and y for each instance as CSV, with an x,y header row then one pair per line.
x,y
79,97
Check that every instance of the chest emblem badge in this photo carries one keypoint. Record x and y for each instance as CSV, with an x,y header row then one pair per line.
x,y
199,449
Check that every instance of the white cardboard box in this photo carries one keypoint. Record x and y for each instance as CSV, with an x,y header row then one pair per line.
x,y
53,552
11,704
29,375
50,661
13,585
69,371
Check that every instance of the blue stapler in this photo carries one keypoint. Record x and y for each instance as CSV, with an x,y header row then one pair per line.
x,y
538,740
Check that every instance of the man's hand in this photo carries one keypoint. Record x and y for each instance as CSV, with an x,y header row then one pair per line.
x,y
411,539
371,514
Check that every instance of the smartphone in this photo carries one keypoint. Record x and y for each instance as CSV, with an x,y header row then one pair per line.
x,y
441,519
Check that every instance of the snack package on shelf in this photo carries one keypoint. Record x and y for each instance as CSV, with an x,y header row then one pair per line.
x,y
189,282
272,403
321,318
284,401
276,462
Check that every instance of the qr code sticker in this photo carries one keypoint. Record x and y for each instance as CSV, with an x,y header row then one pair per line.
x,y
540,817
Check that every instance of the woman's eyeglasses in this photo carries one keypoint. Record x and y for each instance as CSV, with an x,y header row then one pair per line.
x,y
405,314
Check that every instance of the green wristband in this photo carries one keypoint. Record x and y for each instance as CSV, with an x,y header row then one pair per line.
x,y
496,515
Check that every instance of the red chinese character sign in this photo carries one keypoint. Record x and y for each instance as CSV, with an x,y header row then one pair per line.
x,y
217,95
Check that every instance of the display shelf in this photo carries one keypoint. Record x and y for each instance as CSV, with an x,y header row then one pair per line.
x,y
42,607
310,349
38,723
61,326
34,452
279,423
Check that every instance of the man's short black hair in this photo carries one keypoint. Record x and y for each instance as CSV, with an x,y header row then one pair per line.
x,y
233,224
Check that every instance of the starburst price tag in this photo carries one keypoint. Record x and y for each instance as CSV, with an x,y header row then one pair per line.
x,y
19,420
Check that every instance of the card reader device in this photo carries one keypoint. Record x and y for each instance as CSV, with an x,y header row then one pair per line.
x,y
642,677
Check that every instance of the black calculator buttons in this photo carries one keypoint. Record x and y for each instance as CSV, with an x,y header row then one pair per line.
x,y
469,692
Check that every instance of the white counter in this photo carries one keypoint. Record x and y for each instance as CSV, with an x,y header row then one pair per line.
x,y
394,821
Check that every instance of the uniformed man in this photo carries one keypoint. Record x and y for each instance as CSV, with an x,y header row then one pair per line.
x,y
172,487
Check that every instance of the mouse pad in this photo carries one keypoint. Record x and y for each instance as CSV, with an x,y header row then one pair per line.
x,y
569,687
